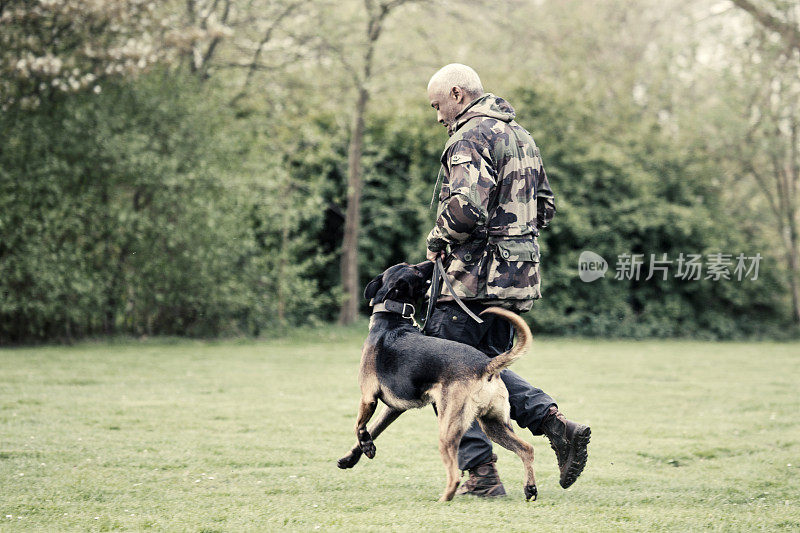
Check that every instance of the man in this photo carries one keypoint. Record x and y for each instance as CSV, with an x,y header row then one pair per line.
x,y
494,199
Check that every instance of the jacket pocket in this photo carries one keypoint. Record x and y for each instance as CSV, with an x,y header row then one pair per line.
x,y
468,252
518,250
448,322
514,270
464,268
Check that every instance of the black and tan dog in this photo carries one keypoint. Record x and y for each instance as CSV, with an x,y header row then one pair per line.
x,y
405,369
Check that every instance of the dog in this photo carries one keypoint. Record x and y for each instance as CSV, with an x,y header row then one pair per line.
x,y
406,369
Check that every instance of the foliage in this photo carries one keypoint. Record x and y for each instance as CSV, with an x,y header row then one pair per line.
x,y
149,222
49,48
115,217
637,192
181,168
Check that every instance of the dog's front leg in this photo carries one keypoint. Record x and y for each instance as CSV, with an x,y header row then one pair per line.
x,y
365,411
387,416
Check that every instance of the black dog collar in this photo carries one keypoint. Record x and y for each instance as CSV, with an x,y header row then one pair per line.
x,y
405,310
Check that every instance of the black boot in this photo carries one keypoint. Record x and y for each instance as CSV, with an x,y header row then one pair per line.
x,y
569,440
484,481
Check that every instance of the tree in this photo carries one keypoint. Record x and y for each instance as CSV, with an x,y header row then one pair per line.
x,y
242,36
51,48
768,148
376,12
770,151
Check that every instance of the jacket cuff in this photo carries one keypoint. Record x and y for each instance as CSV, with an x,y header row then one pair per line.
x,y
436,243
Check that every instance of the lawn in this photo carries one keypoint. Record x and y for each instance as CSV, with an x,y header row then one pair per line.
x,y
244,435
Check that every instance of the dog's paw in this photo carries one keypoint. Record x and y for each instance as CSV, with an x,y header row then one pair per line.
x,y
531,493
368,448
350,460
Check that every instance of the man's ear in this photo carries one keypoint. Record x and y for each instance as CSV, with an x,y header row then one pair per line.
x,y
373,286
457,94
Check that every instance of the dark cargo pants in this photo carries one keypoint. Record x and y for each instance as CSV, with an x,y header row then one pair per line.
x,y
529,405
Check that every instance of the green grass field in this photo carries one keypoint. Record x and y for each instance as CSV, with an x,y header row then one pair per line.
x,y
232,436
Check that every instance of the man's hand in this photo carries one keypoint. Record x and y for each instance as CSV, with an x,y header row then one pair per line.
x,y
431,256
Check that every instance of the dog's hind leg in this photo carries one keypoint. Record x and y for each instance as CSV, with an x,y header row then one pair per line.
x,y
500,431
449,452
387,416
455,417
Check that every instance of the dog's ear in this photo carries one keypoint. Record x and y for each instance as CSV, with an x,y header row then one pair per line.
x,y
425,268
373,286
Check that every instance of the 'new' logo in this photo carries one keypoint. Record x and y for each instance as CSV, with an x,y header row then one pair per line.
x,y
591,266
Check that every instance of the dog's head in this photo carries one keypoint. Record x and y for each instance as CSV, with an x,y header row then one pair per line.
x,y
403,283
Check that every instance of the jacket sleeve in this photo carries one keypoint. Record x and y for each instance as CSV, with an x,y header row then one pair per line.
x,y
463,202
545,200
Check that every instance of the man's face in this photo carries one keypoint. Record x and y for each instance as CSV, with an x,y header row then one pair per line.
x,y
447,104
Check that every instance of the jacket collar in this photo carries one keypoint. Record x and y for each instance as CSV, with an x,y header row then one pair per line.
x,y
488,105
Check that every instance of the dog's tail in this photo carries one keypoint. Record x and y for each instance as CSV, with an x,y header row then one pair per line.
x,y
524,336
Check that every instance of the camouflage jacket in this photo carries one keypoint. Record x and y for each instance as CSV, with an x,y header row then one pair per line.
x,y
494,199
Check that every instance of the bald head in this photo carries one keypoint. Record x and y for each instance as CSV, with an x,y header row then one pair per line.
x,y
451,89
456,75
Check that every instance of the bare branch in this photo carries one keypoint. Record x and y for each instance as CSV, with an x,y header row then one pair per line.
x,y
342,56
191,10
267,36
203,66
789,32
388,6
212,9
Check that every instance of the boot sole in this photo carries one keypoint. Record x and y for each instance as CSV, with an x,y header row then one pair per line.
x,y
493,493
580,442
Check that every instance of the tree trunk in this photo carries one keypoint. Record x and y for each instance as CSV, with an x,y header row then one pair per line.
x,y
283,259
793,175
794,283
282,264
349,261
793,249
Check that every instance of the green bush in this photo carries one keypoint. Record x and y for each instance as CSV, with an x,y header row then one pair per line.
x,y
121,213
638,192
153,208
